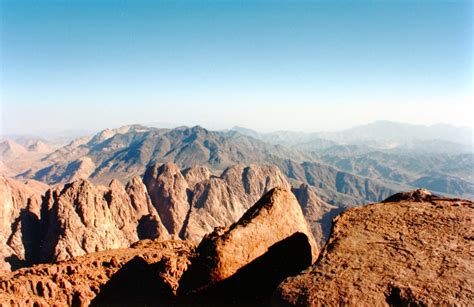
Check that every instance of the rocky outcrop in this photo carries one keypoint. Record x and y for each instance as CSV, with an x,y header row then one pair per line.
x,y
275,217
220,201
420,195
412,249
19,222
169,193
78,281
82,218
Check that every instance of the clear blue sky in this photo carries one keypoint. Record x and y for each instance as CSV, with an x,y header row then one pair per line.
x,y
267,65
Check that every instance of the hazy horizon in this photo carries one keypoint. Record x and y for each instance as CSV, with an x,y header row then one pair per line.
x,y
74,133
265,65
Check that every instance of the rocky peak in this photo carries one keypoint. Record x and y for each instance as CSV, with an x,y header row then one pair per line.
x,y
196,174
275,217
19,222
82,218
168,190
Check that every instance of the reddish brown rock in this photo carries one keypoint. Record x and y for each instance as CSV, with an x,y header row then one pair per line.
x,y
274,218
221,201
168,191
19,225
413,249
83,218
196,174
78,281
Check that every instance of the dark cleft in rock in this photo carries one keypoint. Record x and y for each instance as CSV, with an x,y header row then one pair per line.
x,y
253,250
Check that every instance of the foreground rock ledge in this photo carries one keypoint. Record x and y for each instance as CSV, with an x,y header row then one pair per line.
x,y
276,217
415,248
77,282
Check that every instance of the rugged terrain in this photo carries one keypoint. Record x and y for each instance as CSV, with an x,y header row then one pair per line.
x,y
81,217
412,249
76,282
128,151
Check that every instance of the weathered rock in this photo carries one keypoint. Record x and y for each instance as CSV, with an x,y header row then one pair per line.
x,y
78,281
169,194
221,201
275,217
420,195
413,249
196,174
82,218
19,215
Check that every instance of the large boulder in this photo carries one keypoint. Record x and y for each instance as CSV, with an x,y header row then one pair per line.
x,y
275,217
412,249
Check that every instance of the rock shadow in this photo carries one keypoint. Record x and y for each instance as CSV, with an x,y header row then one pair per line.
x,y
135,284
255,283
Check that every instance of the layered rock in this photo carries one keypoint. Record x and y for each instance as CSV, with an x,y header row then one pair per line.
x,y
275,217
77,282
412,249
82,218
19,222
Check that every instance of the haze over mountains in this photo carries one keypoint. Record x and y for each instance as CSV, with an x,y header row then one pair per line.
x,y
103,192
366,163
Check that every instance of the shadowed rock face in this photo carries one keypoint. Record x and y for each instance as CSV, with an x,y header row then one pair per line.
x,y
78,281
169,193
412,249
275,217
19,222
255,282
82,218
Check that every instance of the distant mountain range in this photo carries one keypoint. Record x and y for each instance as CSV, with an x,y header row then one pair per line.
x,y
379,134
347,173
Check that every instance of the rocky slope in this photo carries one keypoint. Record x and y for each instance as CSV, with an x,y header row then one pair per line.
x,y
412,249
81,217
272,239
126,152
222,253
19,221
77,282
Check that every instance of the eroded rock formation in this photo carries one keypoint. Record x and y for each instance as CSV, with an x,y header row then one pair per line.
x,y
221,254
19,222
76,282
82,218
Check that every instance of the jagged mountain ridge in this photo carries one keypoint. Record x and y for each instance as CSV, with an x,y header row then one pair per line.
x,y
380,254
391,152
81,217
127,151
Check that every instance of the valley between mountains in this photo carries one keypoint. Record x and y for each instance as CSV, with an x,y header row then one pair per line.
x,y
192,214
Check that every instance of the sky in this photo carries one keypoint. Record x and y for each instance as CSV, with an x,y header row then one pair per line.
x,y
266,65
